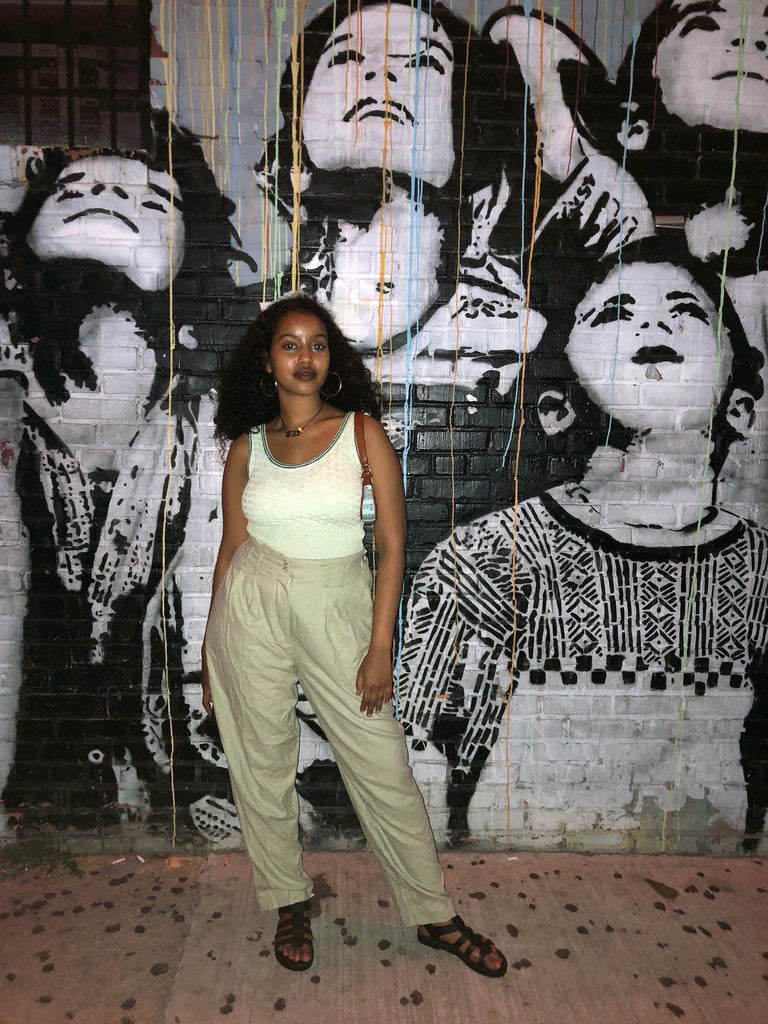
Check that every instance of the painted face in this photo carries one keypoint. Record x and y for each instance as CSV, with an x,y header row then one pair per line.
x,y
299,356
383,87
378,287
645,348
698,65
116,211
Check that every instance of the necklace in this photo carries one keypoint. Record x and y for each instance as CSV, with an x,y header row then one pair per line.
x,y
300,430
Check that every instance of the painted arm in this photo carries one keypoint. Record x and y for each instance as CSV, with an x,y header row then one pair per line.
x,y
374,677
235,530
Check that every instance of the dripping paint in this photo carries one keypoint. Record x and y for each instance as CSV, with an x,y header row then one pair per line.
x,y
486,198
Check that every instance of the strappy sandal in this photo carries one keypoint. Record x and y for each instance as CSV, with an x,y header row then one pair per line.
x,y
296,932
464,946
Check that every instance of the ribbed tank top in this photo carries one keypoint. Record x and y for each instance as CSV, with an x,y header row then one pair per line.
x,y
307,511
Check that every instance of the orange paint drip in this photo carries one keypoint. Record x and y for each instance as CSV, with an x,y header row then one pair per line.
x,y
536,202
296,146
171,35
386,164
458,338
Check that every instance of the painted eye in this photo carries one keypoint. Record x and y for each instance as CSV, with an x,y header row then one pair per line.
x,y
427,60
701,23
610,315
346,57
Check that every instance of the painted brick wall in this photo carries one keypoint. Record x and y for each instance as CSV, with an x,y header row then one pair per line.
x,y
546,237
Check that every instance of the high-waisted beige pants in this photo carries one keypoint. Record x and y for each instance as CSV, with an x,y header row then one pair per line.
x,y
277,620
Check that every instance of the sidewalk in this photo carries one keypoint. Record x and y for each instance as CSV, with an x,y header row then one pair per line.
x,y
180,940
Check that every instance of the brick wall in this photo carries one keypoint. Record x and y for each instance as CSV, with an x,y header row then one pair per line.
x,y
547,241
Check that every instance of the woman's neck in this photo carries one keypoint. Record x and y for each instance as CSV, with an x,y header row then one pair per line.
x,y
658,492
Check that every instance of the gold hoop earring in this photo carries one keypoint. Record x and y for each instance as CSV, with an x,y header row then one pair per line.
x,y
264,387
338,389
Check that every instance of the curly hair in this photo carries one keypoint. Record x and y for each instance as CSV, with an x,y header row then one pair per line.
x,y
245,383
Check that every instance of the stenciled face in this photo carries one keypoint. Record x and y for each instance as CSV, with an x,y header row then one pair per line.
x,y
118,212
299,357
698,65
380,96
645,348
379,289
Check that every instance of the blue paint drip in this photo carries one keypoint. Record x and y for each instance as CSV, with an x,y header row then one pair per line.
x,y
762,235
635,36
415,199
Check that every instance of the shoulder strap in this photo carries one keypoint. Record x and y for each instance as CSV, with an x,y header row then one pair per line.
x,y
360,438
368,500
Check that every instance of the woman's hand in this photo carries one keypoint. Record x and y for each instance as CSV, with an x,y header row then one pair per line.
x,y
374,681
207,702
205,683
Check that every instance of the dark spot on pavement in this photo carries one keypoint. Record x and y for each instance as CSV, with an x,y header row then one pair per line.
x,y
562,954
667,982
160,968
417,998
674,1009
512,931
429,968
384,943
477,895
663,890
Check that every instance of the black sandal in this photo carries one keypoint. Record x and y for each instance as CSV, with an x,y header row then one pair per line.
x,y
296,932
467,943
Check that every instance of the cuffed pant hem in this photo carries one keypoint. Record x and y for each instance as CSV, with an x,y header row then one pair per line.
x,y
274,898
428,912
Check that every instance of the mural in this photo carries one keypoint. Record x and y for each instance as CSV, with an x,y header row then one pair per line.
x,y
547,240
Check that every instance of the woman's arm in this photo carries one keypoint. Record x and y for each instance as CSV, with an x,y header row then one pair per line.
x,y
235,529
374,677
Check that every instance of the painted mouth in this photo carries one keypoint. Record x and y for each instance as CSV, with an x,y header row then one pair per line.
x,y
735,74
496,359
390,110
94,210
656,354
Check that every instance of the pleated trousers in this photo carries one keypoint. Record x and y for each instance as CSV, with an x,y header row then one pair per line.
x,y
276,621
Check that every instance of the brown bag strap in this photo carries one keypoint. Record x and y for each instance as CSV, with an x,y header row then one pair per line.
x,y
360,438
367,497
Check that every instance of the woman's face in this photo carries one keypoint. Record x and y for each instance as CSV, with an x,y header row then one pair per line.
x,y
299,357
380,96
645,347
697,65
119,212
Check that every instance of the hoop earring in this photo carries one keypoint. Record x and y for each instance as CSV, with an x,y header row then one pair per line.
x,y
264,387
338,389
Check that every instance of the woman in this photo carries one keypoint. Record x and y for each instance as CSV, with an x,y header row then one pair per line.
x,y
291,599
623,611
106,254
